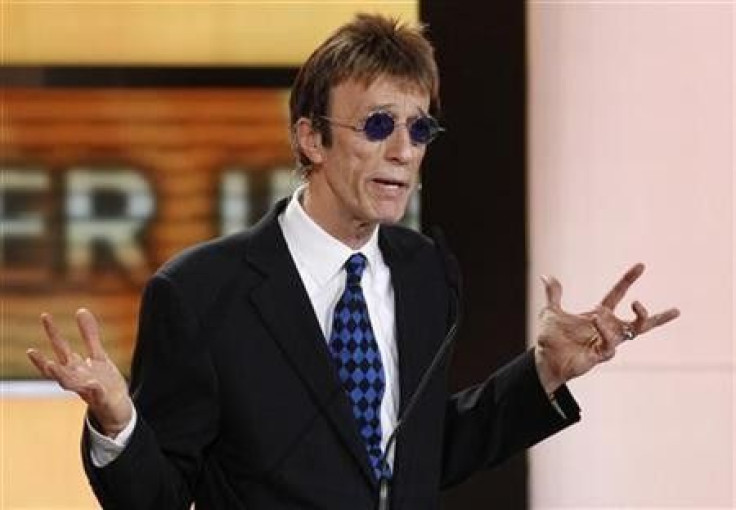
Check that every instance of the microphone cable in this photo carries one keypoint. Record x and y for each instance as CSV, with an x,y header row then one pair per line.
x,y
453,278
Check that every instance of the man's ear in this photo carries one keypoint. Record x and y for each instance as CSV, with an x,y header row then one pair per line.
x,y
309,140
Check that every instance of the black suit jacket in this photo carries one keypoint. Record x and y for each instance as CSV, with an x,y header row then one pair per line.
x,y
240,407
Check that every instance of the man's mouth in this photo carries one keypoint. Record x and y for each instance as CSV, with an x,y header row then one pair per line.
x,y
391,183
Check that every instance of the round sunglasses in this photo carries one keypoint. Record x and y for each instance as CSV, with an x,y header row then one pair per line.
x,y
379,125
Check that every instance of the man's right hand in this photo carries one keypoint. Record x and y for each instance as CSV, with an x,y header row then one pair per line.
x,y
95,379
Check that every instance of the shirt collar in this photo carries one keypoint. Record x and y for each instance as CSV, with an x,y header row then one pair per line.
x,y
320,254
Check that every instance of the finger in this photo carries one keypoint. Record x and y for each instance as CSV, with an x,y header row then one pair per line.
x,y
90,330
51,369
641,317
595,337
40,361
68,379
56,372
608,335
60,346
72,378
553,289
616,294
660,319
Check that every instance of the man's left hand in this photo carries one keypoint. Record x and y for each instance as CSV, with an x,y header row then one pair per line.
x,y
569,345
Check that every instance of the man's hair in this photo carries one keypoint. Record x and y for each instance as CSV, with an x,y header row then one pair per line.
x,y
368,47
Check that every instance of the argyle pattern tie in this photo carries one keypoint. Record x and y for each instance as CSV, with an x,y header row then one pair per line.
x,y
358,362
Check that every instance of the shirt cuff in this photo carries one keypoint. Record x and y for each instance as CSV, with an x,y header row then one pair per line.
x,y
103,449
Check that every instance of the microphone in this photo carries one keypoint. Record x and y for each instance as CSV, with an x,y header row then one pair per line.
x,y
452,273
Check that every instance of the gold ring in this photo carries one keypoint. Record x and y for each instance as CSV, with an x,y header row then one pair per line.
x,y
594,337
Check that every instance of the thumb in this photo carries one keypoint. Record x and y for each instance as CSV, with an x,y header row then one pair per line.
x,y
553,289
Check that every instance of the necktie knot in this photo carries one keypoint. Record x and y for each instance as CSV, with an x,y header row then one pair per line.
x,y
355,266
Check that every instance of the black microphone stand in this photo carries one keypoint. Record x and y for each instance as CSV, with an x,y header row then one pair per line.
x,y
384,485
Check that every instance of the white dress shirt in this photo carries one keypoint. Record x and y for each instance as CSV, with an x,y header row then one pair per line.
x,y
319,259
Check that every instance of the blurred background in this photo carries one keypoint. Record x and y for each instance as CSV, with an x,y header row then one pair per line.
x,y
583,136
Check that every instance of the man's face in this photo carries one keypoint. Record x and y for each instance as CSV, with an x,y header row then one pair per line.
x,y
360,182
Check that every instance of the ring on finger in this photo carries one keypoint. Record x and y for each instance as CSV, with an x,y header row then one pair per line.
x,y
594,337
628,334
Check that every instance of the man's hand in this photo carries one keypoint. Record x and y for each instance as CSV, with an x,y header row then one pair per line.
x,y
569,345
95,379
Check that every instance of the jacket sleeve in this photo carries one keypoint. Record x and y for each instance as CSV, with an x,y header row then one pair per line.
x,y
487,423
174,388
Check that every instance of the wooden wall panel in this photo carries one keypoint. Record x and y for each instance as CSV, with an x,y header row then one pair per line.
x,y
180,142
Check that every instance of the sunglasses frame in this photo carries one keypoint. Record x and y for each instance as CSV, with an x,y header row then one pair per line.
x,y
435,128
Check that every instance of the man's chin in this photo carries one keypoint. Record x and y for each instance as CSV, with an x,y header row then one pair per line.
x,y
390,215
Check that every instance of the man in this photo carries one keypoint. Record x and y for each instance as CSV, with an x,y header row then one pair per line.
x,y
272,366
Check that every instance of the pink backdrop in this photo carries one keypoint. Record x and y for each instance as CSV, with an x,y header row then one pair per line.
x,y
631,154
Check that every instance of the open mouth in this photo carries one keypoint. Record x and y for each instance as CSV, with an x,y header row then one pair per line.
x,y
391,183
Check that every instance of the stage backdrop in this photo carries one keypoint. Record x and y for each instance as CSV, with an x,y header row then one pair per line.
x,y
129,131
632,160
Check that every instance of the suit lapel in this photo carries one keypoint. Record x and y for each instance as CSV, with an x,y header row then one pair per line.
x,y
287,312
415,352
415,332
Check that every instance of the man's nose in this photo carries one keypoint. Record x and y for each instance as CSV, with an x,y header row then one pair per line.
x,y
399,147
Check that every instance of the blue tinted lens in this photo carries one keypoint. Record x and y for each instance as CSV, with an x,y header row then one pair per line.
x,y
378,126
423,130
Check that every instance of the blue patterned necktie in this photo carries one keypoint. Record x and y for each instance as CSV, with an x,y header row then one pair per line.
x,y
358,361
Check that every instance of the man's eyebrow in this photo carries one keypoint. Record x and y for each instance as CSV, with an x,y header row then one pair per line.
x,y
389,106
384,106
